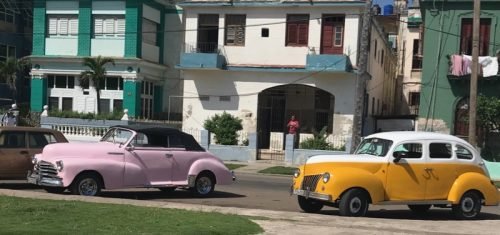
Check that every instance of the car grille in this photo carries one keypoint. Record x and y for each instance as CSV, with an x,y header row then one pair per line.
x,y
310,182
46,169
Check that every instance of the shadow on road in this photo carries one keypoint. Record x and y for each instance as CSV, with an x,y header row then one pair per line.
x,y
151,195
18,186
433,214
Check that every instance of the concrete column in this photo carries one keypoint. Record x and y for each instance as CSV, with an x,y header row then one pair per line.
x,y
348,145
289,149
132,96
252,146
205,139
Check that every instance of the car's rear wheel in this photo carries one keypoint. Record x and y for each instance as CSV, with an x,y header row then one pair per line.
x,y
354,203
57,190
88,184
419,209
204,185
468,207
167,189
309,205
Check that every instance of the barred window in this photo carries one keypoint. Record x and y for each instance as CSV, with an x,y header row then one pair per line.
x,y
235,30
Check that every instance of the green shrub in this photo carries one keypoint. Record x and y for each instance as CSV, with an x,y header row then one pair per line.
x,y
225,128
319,142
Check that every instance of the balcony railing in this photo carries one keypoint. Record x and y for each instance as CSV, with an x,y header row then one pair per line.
x,y
203,47
202,55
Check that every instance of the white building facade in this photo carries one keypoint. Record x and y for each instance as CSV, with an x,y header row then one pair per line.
x,y
264,61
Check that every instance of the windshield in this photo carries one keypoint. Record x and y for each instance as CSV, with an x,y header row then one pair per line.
x,y
374,146
117,136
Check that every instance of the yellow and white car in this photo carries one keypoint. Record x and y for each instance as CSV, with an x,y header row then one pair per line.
x,y
418,169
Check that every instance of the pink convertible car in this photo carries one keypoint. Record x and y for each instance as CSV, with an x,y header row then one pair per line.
x,y
130,157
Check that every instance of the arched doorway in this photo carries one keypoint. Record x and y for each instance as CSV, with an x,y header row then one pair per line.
x,y
313,107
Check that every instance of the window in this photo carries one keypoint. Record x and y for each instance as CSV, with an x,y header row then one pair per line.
x,y
61,81
417,58
38,140
175,142
67,104
208,33
374,146
338,35
297,30
382,57
117,105
53,103
264,32
12,139
414,98
109,26
440,150
466,37
204,98
409,150
111,83
463,153
104,103
225,98
6,14
6,52
373,105
62,25
235,30
375,51
149,31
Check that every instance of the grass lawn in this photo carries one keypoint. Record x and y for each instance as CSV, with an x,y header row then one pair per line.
x,y
231,166
279,170
34,216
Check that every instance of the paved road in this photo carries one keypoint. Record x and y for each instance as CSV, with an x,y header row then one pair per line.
x,y
260,192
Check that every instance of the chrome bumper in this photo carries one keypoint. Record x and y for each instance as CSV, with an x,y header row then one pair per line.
x,y
34,178
309,194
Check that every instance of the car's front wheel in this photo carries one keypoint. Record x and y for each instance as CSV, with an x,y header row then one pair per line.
x,y
204,185
354,203
309,205
419,209
87,185
469,206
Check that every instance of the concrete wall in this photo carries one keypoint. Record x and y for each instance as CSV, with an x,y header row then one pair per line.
x,y
244,87
61,46
272,50
108,47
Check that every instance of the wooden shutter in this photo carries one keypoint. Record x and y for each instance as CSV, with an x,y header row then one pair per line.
x,y
235,30
52,26
73,26
303,31
466,37
98,26
484,37
120,26
109,26
62,26
292,31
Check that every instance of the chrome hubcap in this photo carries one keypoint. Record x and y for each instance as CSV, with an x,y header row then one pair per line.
x,y
468,205
355,205
88,187
204,185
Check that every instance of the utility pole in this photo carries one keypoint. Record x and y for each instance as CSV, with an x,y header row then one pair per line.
x,y
474,74
361,77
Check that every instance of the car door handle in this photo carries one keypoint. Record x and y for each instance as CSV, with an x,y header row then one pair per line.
x,y
169,155
24,152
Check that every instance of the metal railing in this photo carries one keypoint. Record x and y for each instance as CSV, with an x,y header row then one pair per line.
x,y
203,47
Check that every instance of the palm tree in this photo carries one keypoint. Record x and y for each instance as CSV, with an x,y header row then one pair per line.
x,y
8,72
96,73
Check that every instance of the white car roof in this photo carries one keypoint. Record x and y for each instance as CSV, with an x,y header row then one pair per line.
x,y
398,136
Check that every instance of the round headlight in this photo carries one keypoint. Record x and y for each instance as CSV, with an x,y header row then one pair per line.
x,y
326,177
296,173
34,160
59,165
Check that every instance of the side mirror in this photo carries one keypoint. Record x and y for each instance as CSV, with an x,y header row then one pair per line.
x,y
129,148
398,155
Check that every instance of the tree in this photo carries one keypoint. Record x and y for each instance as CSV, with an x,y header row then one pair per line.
x,y
488,112
96,74
8,72
225,128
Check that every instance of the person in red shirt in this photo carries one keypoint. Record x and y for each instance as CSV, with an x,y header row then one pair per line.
x,y
293,126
